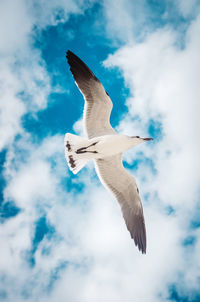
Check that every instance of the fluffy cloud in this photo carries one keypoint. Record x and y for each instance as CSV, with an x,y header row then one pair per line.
x,y
56,11
187,8
124,18
163,82
84,252
24,81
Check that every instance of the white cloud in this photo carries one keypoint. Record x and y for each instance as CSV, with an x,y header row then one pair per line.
x,y
79,127
124,18
31,179
102,263
23,75
15,26
188,8
53,13
163,82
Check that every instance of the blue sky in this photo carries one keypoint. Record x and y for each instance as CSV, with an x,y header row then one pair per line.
x,y
62,235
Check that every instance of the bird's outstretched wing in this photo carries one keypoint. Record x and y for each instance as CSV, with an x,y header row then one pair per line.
x,y
115,177
98,104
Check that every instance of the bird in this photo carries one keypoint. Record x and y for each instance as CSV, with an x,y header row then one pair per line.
x,y
105,147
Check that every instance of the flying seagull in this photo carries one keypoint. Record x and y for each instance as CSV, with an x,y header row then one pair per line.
x,y
105,147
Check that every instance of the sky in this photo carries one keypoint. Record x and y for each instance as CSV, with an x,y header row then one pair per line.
x,y
62,236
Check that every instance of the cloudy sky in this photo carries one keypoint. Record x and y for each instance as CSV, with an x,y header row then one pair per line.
x,y
62,236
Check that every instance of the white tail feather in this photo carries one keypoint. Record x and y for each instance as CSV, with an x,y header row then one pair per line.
x,y
74,160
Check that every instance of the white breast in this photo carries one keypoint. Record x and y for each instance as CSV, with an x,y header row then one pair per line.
x,y
113,144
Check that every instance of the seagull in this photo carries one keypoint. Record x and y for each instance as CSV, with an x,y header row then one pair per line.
x,y
105,146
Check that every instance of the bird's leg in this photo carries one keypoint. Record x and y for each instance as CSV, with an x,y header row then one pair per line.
x,y
84,149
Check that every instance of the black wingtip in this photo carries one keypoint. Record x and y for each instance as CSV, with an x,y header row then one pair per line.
x,y
143,250
78,68
69,53
140,245
139,237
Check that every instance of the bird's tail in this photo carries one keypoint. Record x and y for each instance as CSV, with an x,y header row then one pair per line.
x,y
75,160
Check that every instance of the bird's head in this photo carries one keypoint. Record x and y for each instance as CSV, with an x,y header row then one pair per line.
x,y
138,140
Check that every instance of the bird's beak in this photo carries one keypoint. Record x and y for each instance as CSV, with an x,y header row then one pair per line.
x,y
148,139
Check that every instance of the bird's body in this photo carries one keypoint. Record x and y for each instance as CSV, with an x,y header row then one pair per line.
x,y
112,144
105,147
